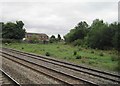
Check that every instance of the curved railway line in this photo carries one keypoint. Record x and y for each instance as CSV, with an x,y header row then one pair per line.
x,y
8,79
95,74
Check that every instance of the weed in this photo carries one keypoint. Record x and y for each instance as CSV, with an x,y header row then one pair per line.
x,y
91,62
22,48
107,61
79,49
65,57
101,54
47,54
92,52
114,58
83,61
58,47
78,57
86,57
75,53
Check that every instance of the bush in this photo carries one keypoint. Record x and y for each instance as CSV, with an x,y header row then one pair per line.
x,y
6,43
75,53
101,54
83,61
78,57
65,57
114,58
79,49
92,51
117,68
58,47
11,41
91,62
47,54
22,48
65,43
33,41
77,42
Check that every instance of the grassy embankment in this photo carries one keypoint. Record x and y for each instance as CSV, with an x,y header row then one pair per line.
x,y
95,58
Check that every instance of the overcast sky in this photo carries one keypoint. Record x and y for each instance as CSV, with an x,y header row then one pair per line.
x,y
57,17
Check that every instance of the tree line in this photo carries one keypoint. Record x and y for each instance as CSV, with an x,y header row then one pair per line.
x,y
55,39
12,30
98,35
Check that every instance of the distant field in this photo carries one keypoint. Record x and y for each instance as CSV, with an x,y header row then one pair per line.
x,y
100,59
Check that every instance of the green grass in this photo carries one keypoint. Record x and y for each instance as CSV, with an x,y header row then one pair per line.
x,y
89,57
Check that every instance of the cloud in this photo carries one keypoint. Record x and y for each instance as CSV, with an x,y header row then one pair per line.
x,y
57,17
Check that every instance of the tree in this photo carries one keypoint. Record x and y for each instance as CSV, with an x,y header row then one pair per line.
x,y
116,38
20,24
79,32
1,26
52,39
33,39
13,30
59,37
100,35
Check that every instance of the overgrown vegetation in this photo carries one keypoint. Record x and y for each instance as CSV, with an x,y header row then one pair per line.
x,y
53,39
99,35
47,54
107,60
96,45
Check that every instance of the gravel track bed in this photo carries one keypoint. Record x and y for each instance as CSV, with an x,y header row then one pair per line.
x,y
0,78
4,79
25,75
53,73
67,70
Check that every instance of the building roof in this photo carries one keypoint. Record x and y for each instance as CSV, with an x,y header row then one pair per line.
x,y
42,34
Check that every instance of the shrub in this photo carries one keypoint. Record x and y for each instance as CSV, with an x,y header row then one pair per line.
x,y
43,49
65,43
75,53
6,43
47,54
58,47
11,41
117,68
87,57
101,54
91,62
92,51
33,41
65,57
114,58
79,49
83,61
22,48
77,42
78,57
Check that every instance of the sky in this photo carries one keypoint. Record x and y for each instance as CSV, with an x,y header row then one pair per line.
x,y
57,17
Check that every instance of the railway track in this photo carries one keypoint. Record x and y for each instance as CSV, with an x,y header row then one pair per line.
x,y
6,79
91,72
57,75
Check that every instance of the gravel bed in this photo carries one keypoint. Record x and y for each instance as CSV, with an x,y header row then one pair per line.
x,y
5,80
67,70
58,75
25,75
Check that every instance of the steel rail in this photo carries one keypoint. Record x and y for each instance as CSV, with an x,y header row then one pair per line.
x,y
13,80
66,74
77,69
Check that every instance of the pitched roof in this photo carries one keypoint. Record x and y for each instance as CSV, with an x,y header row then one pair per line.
x,y
37,34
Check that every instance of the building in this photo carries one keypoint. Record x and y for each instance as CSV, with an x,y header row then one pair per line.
x,y
38,36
